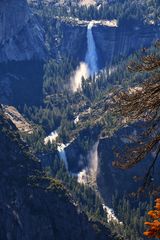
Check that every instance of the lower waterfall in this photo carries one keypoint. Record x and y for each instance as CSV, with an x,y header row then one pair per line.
x,y
88,175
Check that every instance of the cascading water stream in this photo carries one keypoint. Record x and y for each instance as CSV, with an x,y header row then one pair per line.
x,y
62,154
61,146
91,56
88,174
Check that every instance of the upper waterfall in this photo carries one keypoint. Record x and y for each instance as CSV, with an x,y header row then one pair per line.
x,y
91,55
89,67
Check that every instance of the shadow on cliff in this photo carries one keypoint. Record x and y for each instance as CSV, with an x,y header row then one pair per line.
x,y
111,179
21,83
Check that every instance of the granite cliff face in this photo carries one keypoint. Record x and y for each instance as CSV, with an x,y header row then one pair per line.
x,y
31,204
68,38
116,43
21,36
112,43
22,53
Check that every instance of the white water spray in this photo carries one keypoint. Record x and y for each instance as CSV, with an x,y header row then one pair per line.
x,y
82,71
111,217
88,175
91,56
52,137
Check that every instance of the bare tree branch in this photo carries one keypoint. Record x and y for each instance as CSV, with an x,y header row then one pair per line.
x,y
141,103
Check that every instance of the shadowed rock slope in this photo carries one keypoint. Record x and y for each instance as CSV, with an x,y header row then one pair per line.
x,y
33,206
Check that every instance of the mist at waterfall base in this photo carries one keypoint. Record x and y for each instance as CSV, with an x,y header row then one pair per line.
x,y
89,173
89,67
76,79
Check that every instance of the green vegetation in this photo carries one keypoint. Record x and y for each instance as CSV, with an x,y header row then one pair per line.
x,y
122,10
132,213
84,196
59,108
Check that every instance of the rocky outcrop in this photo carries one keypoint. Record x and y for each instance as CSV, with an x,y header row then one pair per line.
x,y
21,36
18,120
31,204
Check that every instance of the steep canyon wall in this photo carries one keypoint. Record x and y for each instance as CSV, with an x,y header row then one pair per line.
x,y
112,43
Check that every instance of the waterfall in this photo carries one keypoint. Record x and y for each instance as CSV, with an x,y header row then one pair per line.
x,y
87,68
62,154
93,158
61,146
91,56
